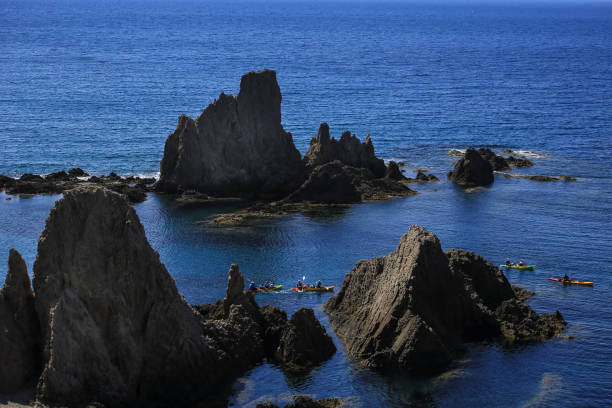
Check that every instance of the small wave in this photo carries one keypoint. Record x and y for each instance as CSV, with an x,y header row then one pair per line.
x,y
456,152
526,153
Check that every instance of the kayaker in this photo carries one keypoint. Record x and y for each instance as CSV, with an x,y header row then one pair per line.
x,y
521,263
299,285
319,284
252,286
566,278
508,263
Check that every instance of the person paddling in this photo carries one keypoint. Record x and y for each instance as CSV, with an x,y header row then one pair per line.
x,y
566,278
299,285
521,263
508,263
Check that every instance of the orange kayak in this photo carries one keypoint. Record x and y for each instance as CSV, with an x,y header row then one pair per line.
x,y
571,282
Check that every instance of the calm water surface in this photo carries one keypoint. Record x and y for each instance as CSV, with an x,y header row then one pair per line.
x,y
101,87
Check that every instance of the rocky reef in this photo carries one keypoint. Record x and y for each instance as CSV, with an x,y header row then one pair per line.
x,y
107,324
236,147
413,310
133,188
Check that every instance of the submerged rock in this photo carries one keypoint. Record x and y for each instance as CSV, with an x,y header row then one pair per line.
x,y
19,328
303,401
413,310
348,150
236,147
472,170
518,162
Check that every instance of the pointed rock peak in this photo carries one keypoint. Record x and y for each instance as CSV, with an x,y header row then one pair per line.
x,y
17,288
260,86
235,283
323,135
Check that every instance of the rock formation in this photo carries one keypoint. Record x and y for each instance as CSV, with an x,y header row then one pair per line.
x,y
236,146
19,328
472,170
114,326
348,150
134,188
412,310
107,324
304,342
498,163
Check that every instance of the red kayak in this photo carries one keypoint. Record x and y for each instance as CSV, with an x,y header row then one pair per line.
x,y
571,282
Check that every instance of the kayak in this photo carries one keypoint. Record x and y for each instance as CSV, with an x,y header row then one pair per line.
x,y
571,282
321,289
270,289
516,266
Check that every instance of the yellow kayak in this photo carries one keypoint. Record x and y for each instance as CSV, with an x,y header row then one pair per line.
x,y
517,266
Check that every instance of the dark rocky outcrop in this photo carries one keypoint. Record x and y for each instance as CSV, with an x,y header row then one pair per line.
x,y
236,147
498,163
348,150
413,310
115,328
421,177
134,188
472,170
19,328
329,183
107,324
304,342
393,171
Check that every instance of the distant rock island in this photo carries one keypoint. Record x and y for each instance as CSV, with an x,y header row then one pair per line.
x,y
237,147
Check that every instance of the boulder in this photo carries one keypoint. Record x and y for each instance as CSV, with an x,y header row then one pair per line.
x,y
413,310
304,342
348,150
19,329
115,328
472,170
236,147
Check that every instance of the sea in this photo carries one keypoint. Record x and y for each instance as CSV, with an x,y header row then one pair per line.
x,y
100,85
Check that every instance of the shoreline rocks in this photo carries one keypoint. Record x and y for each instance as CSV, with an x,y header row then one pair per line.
x,y
134,188
413,310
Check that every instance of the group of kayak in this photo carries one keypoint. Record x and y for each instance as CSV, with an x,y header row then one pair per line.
x,y
566,280
270,286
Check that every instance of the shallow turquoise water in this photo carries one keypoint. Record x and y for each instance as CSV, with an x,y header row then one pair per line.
x,y
102,86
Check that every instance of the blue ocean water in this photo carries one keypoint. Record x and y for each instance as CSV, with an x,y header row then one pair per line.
x,y
101,86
